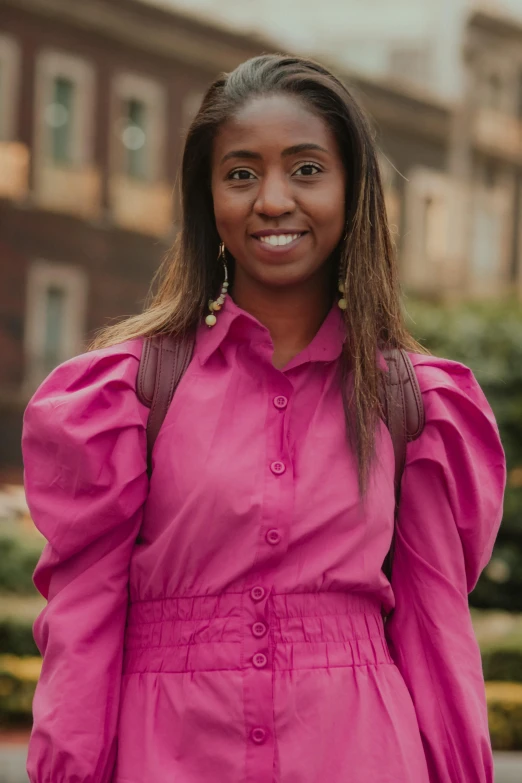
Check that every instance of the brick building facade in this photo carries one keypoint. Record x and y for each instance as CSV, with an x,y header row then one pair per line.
x,y
94,99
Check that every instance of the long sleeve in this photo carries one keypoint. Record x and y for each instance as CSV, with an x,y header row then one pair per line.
x,y
450,511
84,448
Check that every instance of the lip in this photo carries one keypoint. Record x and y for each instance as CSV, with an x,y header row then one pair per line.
x,y
270,251
270,232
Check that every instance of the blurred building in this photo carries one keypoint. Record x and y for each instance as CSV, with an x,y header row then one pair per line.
x,y
416,42
465,224
94,100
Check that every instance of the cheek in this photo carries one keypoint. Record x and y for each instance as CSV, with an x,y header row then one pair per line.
x,y
328,208
229,210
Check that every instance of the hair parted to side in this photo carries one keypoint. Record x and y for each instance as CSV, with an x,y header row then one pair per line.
x,y
189,275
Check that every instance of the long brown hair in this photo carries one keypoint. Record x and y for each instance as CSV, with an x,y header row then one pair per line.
x,y
189,275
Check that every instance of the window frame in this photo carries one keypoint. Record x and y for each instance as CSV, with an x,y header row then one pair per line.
x,y
52,64
43,275
128,86
431,247
10,58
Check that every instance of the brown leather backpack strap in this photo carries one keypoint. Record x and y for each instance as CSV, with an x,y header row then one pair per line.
x,y
164,360
403,408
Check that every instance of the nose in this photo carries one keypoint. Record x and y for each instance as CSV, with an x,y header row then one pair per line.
x,y
274,197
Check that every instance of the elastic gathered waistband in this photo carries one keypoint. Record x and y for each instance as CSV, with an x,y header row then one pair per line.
x,y
304,630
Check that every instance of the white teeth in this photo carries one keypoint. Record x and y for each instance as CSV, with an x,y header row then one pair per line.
x,y
279,239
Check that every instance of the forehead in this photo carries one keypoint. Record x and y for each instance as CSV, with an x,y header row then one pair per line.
x,y
275,121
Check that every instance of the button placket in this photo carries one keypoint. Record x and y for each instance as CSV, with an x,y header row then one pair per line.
x,y
258,684
276,509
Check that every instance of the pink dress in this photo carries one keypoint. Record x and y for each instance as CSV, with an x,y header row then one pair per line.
x,y
224,624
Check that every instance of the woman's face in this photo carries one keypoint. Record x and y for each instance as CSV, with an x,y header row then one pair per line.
x,y
278,186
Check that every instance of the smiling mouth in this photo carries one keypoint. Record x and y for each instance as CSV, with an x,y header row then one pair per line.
x,y
279,240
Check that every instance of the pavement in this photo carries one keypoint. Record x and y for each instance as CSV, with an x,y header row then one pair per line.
x,y
508,766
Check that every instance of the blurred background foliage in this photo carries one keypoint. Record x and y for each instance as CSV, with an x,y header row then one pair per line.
x,y
487,337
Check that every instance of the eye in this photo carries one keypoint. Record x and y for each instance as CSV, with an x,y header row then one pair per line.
x,y
308,169
241,174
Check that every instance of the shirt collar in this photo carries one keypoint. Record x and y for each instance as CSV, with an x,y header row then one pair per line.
x,y
237,325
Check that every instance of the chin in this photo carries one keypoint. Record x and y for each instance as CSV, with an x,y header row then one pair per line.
x,y
282,278
292,275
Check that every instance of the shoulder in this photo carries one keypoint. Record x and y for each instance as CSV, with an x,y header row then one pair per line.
x,y
435,372
121,360
451,386
105,367
84,441
92,391
458,415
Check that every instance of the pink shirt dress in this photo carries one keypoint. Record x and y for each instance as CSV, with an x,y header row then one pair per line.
x,y
224,623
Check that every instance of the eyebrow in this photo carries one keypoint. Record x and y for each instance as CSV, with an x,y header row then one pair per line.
x,y
294,150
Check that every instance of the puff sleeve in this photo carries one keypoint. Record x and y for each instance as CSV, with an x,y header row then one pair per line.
x,y
84,449
450,511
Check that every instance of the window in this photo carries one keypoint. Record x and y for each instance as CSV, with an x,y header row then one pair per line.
x,y
134,138
59,116
9,83
139,148
432,209
55,321
434,226
487,241
493,91
55,302
65,110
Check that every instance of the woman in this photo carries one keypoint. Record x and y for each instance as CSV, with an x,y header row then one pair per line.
x,y
223,623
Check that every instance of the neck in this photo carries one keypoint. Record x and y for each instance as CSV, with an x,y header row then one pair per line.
x,y
292,314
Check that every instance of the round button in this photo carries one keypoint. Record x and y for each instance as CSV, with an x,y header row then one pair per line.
x,y
259,660
280,401
257,593
278,468
273,537
258,735
259,629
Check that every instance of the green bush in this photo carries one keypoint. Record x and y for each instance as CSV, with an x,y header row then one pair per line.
x,y
487,337
18,557
505,714
503,664
18,678
16,636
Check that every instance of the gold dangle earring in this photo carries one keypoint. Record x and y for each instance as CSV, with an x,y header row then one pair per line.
x,y
342,303
216,304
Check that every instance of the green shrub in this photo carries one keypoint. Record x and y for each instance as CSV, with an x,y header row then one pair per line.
x,y
487,337
505,714
18,678
18,558
16,636
502,664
